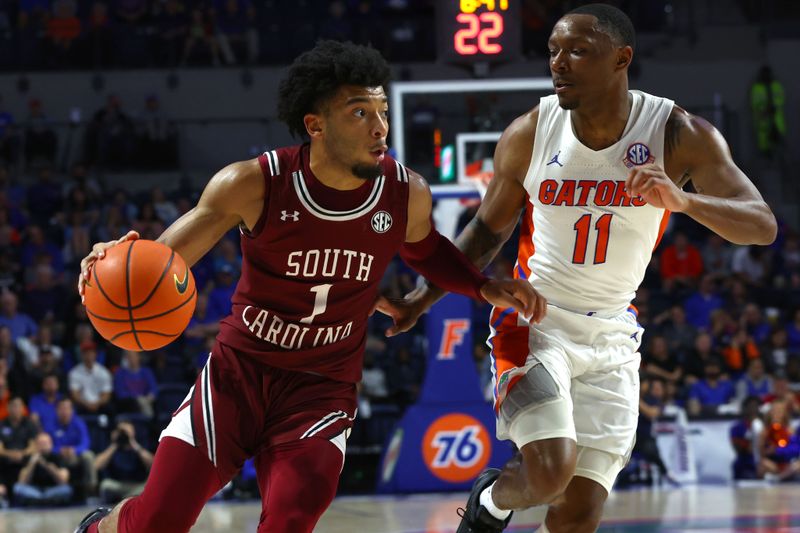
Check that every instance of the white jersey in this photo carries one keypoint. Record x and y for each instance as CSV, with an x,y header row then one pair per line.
x,y
585,245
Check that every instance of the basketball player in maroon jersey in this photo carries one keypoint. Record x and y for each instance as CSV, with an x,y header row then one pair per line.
x,y
319,223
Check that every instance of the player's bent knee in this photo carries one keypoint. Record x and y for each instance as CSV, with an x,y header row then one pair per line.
x,y
548,466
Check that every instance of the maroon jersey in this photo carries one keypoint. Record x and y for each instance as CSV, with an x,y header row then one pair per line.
x,y
312,264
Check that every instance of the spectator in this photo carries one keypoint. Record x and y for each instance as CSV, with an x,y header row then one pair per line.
x,y
43,480
63,30
752,321
165,209
778,451
694,366
48,365
788,261
158,149
45,297
678,333
134,386
19,324
755,382
219,299
373,381
200,33
124,464
236,33
71,443
17,434
200,326
744,439
748,262
13,364
702,303
717,255
110,138
90,383
740,349
659,362
148,224
708,394
781,391
31,349
227,253
681,264
793,373
651,403
775,351
37,250
43,405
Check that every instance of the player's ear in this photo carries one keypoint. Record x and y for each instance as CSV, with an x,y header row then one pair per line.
x,y
313,125
624,57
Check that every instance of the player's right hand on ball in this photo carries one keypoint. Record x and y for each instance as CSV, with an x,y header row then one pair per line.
x,y
98,252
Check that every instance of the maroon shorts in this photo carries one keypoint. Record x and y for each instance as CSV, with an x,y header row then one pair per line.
x,y
239,407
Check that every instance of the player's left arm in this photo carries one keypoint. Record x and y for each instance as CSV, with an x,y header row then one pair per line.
x,y
726,200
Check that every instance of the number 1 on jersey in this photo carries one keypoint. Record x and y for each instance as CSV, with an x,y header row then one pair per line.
x,y
320,302
582,227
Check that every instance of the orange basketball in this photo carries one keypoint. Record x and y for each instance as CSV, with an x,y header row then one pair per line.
x,y
141,295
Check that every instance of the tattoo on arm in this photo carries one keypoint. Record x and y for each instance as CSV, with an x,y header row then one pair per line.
x,y
479,243
672,133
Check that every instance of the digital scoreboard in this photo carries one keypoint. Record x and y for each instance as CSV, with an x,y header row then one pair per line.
x,y
478,31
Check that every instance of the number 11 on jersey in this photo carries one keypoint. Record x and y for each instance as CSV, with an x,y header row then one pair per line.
x,y
582,227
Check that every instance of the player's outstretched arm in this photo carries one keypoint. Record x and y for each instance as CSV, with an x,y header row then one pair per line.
x,y
438,259
726,201
496,218
234,195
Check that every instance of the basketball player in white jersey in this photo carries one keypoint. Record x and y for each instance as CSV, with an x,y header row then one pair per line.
x,y
596,170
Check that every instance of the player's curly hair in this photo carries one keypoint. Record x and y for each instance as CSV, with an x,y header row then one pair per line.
x,y
316,75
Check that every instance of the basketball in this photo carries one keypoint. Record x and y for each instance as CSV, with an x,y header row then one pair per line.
x,y
141,295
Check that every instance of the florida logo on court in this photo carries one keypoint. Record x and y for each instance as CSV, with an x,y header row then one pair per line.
x,y
456,447
381,222
638,154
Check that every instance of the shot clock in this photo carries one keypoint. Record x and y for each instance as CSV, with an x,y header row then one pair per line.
x,y
478,31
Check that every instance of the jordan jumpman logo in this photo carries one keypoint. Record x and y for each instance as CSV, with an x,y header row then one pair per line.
x,y
555,160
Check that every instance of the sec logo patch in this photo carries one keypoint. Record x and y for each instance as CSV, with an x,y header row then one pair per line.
x,y
456,447
381,222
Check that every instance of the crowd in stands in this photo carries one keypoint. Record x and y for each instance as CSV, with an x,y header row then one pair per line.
x,y
59,34
113,138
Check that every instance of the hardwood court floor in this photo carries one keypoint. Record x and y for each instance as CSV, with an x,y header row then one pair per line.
x,y
751,509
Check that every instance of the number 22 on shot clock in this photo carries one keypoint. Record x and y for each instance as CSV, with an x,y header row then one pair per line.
x,y
472,31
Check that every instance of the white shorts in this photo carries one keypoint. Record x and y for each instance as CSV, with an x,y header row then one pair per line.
x,y
579,379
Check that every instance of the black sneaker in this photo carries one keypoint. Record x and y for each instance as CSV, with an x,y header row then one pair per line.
x,y
476,518
95,516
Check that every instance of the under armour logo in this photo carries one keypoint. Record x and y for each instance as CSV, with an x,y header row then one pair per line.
x,y
294,216
555,160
